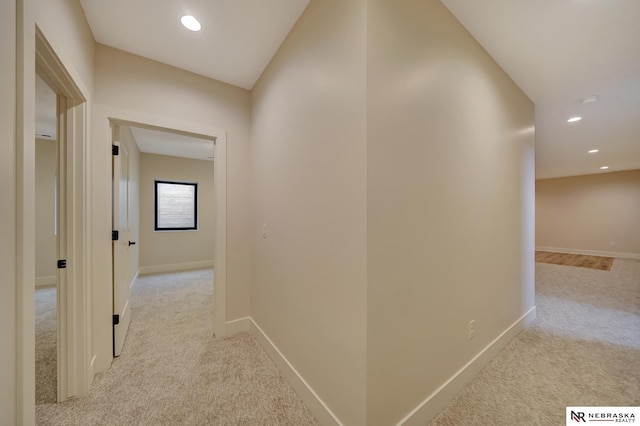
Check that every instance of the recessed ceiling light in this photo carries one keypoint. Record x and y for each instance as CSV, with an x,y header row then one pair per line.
x,y
574,119
593,151
589,100
604,167
190,23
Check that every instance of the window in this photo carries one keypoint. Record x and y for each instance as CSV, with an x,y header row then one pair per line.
x,y
176,206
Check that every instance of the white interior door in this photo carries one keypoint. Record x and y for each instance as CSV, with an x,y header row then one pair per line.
x,y
121,264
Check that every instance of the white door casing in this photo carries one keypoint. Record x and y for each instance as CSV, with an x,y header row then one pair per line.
x,y
73,304
106,118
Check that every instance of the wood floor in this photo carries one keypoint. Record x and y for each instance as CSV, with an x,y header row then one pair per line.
x,y
581,260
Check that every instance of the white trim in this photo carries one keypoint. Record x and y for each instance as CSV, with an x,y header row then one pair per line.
x,y
45,281
441,397
127,117
92,369
173,267
319,409
635,256
133,281
238,326
220,236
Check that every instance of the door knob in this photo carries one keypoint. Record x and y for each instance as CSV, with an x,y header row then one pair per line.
x,y
131,243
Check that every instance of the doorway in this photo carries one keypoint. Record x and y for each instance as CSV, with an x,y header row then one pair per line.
x,y
46,227
72,292
162,144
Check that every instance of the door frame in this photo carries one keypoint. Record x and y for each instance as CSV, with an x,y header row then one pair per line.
x,y
73,289
218,136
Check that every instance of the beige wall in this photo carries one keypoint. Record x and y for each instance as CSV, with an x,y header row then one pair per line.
x,y
64,24
175,247
450,149
309,174
125,82
588,213
8,287
362,127
45,209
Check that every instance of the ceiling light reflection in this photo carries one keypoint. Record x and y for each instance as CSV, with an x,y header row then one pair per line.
x,y
191,23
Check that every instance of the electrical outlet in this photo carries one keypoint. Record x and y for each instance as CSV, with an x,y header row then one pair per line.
x,y
264,230
612,244
472,329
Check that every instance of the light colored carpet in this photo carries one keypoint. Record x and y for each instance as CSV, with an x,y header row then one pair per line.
x,y
584,261
46,349
582,350
174,372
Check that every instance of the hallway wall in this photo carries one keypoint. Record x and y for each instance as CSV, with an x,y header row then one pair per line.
x,y
8,289
309,183
384,129
67,30
588,213
450,203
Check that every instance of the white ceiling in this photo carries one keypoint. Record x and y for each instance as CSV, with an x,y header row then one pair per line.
x,y
173,144
237,40
558,51
561,52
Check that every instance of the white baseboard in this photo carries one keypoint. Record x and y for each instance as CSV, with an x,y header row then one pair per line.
x,y
92,371
635,256
302,388
238,326
133,281
174,267
424,412
46,281
439,399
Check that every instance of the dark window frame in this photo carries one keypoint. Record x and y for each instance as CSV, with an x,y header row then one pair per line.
x,y
155,206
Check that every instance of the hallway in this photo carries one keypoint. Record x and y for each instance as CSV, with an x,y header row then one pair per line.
x,y
583,349
174,372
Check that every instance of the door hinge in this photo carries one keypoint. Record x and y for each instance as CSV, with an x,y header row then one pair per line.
x,y
62,264
115,150
115,235
116,319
